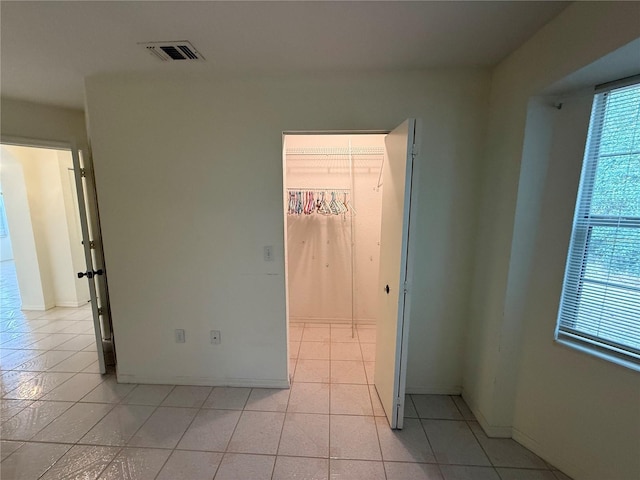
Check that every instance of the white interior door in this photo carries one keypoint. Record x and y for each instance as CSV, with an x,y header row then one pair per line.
x,y
392,321
94,257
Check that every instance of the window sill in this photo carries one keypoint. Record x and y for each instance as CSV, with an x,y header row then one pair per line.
x,y
590,350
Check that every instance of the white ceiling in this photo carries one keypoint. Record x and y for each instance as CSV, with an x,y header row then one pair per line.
x,y
47,48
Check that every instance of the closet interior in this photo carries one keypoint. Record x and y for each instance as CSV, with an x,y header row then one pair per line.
x,y
333,204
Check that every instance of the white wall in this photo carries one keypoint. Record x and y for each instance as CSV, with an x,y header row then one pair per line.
x,y
41,122
34,293
172,152
42,222
577,412
319,247
6,252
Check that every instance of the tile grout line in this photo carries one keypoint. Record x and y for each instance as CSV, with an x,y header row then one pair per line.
x,y
330,389
183,433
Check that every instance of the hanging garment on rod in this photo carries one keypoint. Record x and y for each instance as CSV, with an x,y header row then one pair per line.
x,y
319,201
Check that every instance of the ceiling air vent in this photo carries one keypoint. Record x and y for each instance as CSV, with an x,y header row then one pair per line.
x,y
179,50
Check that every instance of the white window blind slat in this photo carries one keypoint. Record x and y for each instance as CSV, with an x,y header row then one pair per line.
x,y
600,303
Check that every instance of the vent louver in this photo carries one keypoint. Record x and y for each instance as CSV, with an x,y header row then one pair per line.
x,y
176,50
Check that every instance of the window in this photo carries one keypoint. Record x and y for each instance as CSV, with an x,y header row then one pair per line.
x,y
600,304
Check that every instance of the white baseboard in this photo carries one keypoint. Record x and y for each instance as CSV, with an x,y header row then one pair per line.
x,y
70,304
38,308
434,390
494,431
335,321
202,381
555,458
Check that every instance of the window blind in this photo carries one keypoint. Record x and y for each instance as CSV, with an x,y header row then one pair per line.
x,y
600,303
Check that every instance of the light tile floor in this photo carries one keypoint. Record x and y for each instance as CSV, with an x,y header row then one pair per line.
x,y
62,419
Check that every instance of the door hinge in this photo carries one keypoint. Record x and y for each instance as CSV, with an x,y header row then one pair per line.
x,y
100,311
398,401
405,287
83,172
92,244
415,150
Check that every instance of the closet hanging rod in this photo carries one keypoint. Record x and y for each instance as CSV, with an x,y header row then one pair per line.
x,y
336,151
318,189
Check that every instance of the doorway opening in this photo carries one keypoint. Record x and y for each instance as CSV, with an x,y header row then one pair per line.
x,y
346,252
49,238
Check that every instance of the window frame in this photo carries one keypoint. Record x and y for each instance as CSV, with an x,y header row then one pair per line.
x,y
581,232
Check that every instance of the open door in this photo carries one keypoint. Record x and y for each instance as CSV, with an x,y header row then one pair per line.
x,y
393,305
92,242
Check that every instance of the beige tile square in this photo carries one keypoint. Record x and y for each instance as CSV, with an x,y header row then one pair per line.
x,y
109,391
522,474
76,362
370,370
257,432
227,398
82,462
314,351
31,460
136,464
378,409
164,428
407,445
190,465
37,385
368,352
353,438
350,400
316,334
148,395
75,388
414,471
119,425
9,408
436,406
460,472
348,371
297,468
367,334
506,452
295,333
32,419
346,351
409,408
74,423
236,466
453,443
268,399
316,371
309,398
305,435
344,334
187,396
7,447
294,349
211,430
357,470
466,412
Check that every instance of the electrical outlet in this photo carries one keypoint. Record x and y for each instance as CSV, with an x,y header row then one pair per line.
x,y
215,337
268,253
180,338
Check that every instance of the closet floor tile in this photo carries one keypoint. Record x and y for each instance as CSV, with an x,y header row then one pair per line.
x,y
298,468
348,371
356,470
312,371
